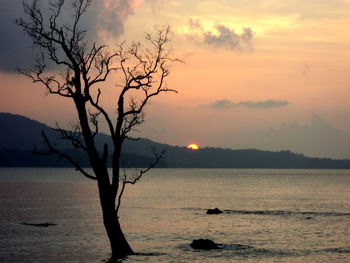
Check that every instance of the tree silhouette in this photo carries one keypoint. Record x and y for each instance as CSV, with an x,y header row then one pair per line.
x,y
79,73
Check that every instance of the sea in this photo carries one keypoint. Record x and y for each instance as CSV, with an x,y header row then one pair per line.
x,y
269,215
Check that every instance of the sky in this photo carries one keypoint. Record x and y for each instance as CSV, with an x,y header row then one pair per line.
x,y
263,74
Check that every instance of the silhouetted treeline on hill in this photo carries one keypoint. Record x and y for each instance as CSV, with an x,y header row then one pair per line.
x,y
20,135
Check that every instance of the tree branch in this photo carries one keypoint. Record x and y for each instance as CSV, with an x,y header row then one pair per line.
x,y
141,172
73,136
104,113
53,150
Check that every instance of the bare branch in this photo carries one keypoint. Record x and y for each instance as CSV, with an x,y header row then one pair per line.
x,y
94,121
103,66
138,176
53,150
157,158
104,113
73,136
121,191
144,70
52,85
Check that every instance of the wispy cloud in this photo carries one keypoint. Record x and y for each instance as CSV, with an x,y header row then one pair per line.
x,y
221,36
266,104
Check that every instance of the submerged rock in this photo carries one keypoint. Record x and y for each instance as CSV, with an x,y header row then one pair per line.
x,y
236,247
39,225
214,211
205,244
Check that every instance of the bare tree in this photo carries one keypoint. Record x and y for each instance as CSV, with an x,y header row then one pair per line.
x,y
80,72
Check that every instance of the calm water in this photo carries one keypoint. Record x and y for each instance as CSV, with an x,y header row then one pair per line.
x,y
283,215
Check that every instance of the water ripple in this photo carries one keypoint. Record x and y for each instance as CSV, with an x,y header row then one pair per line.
x,y
284,213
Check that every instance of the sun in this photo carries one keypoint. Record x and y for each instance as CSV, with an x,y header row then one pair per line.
x,y
193,146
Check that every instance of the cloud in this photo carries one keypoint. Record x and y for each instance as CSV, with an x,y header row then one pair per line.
x,y
266,104
105,18
14,46
112,14
228,38
317,137
221,36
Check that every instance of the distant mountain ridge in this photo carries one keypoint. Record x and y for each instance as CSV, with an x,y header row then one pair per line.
x,y
19,132
19,135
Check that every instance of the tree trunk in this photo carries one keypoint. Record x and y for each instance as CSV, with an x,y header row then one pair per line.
x,y
119,245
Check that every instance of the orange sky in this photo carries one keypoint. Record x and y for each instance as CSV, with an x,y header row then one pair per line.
x,y
283,86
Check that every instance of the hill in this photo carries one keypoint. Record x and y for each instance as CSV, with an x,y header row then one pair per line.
x,y
20,135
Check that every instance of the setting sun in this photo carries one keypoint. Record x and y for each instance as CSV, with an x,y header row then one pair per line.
x,y
193,146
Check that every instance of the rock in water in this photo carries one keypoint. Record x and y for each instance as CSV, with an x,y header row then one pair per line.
x,y
39,225
214,211
205,244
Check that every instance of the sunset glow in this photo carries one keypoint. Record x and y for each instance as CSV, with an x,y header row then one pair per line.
x,y
193,146
175,111
252,67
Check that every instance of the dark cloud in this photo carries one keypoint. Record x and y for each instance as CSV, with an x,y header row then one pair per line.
x,y
112,14
104,18
15,48
266,104
222,36
228,38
